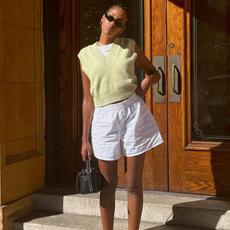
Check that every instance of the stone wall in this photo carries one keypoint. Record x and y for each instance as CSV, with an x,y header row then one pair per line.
x,y
22,160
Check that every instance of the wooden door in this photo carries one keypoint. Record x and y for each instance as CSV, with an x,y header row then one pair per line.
x,y
192,106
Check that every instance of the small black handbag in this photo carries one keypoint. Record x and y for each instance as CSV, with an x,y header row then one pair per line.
x,y
88,180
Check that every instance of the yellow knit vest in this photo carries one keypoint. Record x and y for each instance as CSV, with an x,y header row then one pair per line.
x,y
111,78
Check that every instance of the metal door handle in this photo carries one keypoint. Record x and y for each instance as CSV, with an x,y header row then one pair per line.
x,y
174,78
160,91
159,87
174,67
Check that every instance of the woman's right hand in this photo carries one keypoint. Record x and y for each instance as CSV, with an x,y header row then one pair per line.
x,y
86,150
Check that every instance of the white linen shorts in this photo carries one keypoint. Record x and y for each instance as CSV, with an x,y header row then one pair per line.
x,y
125,127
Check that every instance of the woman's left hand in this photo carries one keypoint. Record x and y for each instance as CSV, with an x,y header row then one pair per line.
x,y
143,87
153,75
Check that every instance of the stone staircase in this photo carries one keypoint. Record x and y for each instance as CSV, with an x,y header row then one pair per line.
x,y
62,209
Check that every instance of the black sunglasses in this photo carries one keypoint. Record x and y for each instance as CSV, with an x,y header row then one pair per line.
x,y
116,22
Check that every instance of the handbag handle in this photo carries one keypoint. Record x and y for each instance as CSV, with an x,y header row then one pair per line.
x,y
88,174
88,166
77,182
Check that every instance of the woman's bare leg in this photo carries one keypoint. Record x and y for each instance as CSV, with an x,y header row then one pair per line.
x,y
107,196
133,176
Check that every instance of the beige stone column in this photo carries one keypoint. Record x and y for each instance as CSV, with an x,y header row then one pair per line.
x,y
22,160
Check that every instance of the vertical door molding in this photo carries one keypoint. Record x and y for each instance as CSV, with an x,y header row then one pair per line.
x,y
148,46
176,118
156,37
188,93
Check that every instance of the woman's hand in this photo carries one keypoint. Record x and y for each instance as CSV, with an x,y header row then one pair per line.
x,y
86,150
143,87
153,75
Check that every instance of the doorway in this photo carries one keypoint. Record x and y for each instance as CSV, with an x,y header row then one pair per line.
x,y
193,158
78,27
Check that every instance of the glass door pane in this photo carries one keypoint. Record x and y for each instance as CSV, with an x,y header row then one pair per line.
x,y
211,70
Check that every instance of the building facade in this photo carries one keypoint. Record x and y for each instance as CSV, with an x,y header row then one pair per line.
x,y
41,95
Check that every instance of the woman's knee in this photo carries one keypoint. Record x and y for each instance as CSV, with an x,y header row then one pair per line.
x,y
108,186
109,176
133,187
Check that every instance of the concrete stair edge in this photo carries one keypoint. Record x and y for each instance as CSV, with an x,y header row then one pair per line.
x,y
194,211
52,221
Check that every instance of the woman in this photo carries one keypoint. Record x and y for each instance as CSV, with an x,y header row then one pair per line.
x,y
112,104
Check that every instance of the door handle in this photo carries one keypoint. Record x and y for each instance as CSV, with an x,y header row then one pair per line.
x,y
174,67
175,78
159,88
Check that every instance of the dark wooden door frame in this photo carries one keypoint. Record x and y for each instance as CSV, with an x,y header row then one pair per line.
x,y
52,90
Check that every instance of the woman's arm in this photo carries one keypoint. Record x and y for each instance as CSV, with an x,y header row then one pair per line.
x,y
153,75
87,114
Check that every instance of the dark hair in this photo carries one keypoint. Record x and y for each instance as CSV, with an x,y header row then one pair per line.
x,y
122,7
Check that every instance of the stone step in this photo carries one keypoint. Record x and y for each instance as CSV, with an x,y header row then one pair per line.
x,y
39,220
159,207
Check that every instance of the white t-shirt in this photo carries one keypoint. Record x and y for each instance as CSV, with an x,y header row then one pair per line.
x,y
105,49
